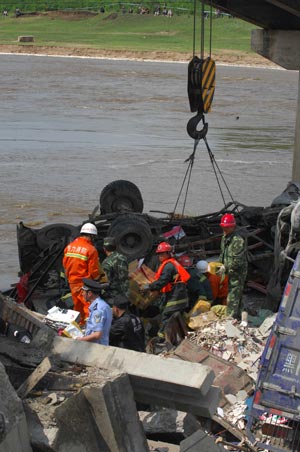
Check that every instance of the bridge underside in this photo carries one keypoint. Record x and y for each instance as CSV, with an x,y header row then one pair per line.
x,y
268,14
277,39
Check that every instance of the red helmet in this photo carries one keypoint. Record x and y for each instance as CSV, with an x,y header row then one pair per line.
x,y
185,260
227,220
164,247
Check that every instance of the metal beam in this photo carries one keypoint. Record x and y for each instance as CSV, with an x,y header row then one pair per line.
x,y
291,6
296,159
264,14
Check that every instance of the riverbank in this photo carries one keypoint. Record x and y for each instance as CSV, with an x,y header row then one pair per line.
x,y
128,36
226,57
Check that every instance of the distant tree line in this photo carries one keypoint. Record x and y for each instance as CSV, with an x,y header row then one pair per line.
x,y
185,6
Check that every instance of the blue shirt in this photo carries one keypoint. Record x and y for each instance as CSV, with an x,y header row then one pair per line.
x,y
99,320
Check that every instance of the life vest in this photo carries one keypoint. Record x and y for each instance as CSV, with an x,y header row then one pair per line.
x,y
182,274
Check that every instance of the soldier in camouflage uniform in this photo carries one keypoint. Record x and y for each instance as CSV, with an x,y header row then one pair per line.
x,y
234,257
115,266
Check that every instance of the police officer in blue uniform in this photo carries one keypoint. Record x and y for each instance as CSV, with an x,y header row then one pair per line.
x,y
99,321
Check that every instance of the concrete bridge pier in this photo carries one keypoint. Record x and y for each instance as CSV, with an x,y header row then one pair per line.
x,y
283,48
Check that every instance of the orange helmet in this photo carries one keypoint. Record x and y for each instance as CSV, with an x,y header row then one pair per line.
x,y
164,247
227,220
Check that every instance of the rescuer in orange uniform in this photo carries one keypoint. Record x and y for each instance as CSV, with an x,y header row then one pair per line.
x,y
170,280
80,261
218,283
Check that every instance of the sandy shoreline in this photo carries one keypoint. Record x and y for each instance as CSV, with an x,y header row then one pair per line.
x,y
226,57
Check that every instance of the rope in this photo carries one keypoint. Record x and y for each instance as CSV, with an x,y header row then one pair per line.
x,y
202,31
216,169
210,29
194,28
215,165
188,173
192,124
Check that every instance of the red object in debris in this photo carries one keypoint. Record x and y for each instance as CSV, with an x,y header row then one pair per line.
x,y
22,288
185,260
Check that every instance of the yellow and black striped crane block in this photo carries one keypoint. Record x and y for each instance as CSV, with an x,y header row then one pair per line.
x,y
201,84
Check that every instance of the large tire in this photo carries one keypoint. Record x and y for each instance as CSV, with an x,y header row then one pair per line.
x,y
133,236
49,234
121,196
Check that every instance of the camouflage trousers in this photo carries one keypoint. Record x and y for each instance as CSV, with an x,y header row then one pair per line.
x,y
236,283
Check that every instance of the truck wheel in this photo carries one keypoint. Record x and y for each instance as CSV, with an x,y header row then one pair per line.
x,y
121,196
133,236
53,232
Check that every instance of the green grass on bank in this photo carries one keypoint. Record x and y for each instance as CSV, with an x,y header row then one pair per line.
x,y
115,31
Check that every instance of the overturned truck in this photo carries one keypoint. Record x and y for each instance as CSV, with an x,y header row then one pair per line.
x,y
120,215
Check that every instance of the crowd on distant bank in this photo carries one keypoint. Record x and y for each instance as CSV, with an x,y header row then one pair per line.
x,y
158,11
17,12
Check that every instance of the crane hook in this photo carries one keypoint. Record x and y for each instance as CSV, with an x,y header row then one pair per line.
x,y
192,127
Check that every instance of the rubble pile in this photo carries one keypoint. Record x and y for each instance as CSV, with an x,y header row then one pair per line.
x,y
64,384
231,342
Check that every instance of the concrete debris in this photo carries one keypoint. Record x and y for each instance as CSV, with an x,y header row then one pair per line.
x,y
185,386
14,434
163,421
267,324
236,413
82,397
159,446
101,415
200,441
233,343
241,348
169,421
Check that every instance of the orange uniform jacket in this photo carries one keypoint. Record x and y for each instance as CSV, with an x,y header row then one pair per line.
x,y
219,288
81,260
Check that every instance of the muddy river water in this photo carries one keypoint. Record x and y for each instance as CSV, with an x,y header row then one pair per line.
x,y
69,126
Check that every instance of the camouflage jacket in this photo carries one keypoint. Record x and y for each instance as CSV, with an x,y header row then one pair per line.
x,y
234,253
116,269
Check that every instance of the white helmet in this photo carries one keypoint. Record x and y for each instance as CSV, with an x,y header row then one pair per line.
x,y
202,266
89,228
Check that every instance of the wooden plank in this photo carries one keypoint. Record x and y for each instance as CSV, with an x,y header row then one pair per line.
x,y
228,376
34,378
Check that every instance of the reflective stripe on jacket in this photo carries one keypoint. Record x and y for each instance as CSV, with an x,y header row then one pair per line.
x,y
81,260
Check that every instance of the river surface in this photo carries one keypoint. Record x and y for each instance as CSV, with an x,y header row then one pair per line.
x,y
69,126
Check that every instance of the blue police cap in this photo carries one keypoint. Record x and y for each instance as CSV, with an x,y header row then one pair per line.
x,y
90,284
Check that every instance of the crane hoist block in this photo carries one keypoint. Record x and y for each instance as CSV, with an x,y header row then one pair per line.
x,y
201,84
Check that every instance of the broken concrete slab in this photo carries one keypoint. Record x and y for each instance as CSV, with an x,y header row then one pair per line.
x,y
145,391
14,434
185,386
200,441
166,420
161,446
137,364
99,416
19,315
